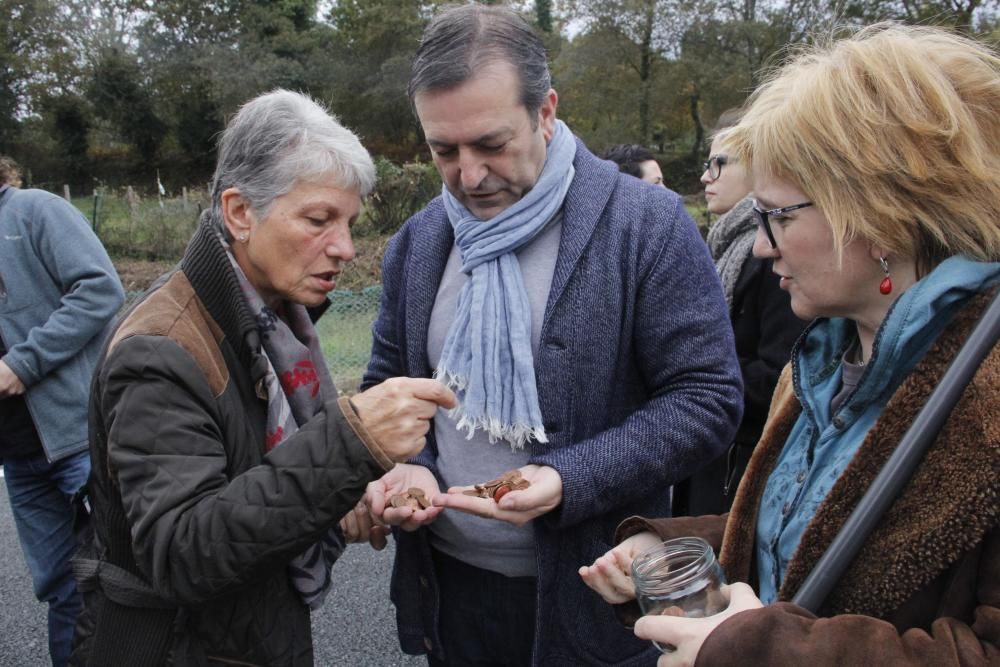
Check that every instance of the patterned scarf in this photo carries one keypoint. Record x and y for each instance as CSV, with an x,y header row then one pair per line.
x,y
487,358
297,382
730,241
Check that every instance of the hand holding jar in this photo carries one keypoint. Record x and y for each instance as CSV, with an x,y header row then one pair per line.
x,y
681,590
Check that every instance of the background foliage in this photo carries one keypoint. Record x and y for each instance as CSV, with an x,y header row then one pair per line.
x,y
101,95
115,92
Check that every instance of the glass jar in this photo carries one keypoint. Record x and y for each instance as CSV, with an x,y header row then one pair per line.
x,y
679,577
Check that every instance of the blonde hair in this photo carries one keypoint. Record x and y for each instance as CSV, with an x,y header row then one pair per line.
x,y
894,134
10,174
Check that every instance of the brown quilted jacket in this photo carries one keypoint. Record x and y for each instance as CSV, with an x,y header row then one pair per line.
x,y
185,496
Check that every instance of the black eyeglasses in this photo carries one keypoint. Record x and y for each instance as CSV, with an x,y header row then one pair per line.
x,y
714,165
764,214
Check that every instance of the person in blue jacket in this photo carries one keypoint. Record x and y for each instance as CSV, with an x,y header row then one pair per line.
x,y
578,315
58,295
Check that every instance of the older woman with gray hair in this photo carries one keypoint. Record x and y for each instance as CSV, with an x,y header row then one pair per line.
x,y
223,459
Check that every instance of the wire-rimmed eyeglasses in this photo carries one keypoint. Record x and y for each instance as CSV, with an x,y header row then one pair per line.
x,y
763,215
714,165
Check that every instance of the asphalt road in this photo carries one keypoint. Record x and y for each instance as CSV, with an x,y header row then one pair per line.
x,y
355,627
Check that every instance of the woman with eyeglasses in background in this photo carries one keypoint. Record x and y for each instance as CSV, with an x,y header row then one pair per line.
x,y
764,326
876,170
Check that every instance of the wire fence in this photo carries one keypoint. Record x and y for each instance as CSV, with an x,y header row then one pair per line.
x,y
345,334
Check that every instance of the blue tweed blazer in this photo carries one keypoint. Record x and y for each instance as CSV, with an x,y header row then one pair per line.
x,y
638,383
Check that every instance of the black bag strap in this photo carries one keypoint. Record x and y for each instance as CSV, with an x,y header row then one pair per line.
x,y
902,463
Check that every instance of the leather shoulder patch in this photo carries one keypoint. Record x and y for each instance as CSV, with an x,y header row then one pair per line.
x,y
175,311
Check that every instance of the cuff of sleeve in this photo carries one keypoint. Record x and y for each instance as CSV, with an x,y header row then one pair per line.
x,y
708,527
351,415
632,526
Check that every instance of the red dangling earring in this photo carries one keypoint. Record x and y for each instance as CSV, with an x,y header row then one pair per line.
x,y
885,286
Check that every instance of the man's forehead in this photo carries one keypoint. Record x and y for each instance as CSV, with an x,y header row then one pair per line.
x,y
493,79
447,136
485,107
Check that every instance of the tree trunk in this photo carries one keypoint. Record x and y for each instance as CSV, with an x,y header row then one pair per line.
x,y
645,72
699,129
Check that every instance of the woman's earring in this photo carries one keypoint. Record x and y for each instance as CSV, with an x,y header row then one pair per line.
x,y
243,238
885,287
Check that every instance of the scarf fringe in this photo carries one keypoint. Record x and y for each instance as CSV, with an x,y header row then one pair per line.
x,y
453,381
518,435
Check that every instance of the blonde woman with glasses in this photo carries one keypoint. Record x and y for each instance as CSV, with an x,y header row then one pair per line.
x,y
877,182
764,326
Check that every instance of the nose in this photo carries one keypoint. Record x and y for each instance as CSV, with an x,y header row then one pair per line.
x,y
762,247
472,170
341,246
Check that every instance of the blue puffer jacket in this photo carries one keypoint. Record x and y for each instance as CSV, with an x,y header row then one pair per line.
x,y
58,296
638,384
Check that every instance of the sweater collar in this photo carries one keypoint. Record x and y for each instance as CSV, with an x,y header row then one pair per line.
x,y
206,265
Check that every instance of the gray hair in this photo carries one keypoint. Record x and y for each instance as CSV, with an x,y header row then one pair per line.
x,y
462,40
278,139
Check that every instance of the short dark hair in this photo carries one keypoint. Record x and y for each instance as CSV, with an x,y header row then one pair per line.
x,y
727,119
10,173
628,157
462,40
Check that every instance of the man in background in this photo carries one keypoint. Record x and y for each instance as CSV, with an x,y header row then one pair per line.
x,y
634,160
58,294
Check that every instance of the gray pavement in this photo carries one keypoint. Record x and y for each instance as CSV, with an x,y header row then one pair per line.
x,y
355,627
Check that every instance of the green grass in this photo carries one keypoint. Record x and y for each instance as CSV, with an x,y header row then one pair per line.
x,y
345,334
144,228
695,205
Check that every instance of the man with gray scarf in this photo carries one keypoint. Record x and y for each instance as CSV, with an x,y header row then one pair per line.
x,y
578,316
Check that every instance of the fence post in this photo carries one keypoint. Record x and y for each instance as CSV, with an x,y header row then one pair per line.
x,y
133,204
96,200
184,197
66,193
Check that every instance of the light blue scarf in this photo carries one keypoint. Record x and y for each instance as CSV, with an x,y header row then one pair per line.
x,y
487,358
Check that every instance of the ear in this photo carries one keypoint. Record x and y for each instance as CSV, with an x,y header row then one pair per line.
x,y
236,213
547,114
877,252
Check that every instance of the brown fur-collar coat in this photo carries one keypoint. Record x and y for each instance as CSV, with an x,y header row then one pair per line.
x,y
925,588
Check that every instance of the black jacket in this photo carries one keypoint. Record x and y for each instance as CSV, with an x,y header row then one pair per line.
x,y
765,329
185,497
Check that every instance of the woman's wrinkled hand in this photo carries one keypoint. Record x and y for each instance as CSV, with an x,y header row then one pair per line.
x,y
398,413
359,525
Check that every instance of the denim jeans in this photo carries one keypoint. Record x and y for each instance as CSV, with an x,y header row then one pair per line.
x,y
486,619
40,494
